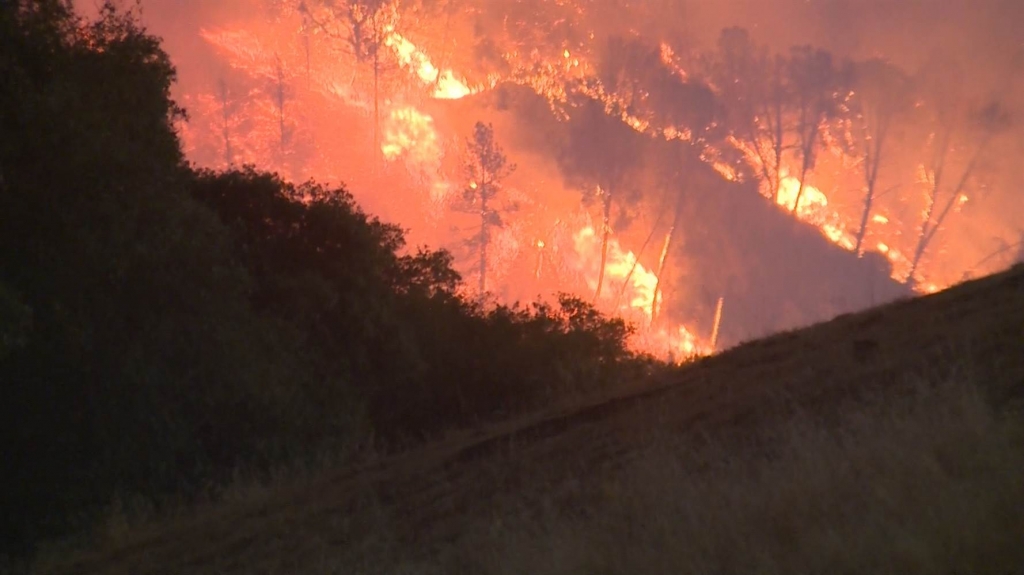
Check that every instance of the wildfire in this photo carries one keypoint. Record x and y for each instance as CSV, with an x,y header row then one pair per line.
x,y
411,133
289,78
814,208
625,276
447,86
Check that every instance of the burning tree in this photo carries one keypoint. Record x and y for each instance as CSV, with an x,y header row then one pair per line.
x,y
486,167
675,166
229,155
527,34
961,139
601,153
881,97
670,107
367,27
752,85
815,85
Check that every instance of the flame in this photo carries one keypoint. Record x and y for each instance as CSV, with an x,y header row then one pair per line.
x,y
410,132
448,87
624,272
410,138
814,208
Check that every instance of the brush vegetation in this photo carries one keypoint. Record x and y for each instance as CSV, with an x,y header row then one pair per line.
x,y
163,328
925,479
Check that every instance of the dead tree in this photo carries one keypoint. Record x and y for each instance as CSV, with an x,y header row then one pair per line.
x,y
815,84
754,90
881,98
366,26
981,128
229,154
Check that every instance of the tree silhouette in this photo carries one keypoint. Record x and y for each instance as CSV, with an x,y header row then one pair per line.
x,y
366,26
486,167
226,123
881,97
757,99
600,154
815,83
961,139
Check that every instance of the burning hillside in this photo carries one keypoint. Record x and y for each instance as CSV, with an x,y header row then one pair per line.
x,y
707,193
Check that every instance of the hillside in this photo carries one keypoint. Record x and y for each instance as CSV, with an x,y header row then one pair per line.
x,y
775,272
424,500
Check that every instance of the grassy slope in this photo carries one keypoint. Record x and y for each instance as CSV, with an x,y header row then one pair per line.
x,y
426,501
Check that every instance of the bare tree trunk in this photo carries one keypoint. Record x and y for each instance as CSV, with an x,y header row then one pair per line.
x,y
636,261
605,237
717,323
778,146
279,95
805,167
926,236
484,237
376,109
309,74
666,249
871,179
928,229
869,198
872,162
925,226
540,261
808,136
225,127
444,45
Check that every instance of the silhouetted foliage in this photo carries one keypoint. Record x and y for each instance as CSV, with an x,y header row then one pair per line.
x,y
486,166
161,327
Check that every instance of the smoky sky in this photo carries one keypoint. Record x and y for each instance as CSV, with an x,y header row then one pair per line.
x,y
987,34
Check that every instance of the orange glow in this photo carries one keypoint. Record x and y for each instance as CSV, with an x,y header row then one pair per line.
x,y
416,164
637,284
448,86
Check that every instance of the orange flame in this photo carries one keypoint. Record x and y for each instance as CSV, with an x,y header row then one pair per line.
x,y
623,271
448,87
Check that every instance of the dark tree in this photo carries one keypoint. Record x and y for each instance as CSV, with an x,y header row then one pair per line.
x,y
226,115
278,90
755,92
882,97
815,85
486,167
366,26
600,154
956,149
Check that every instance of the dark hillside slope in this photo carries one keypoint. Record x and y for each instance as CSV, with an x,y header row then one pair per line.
x,y
978,324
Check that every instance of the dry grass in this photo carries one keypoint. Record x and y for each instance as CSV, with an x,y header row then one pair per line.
x,y
932,483
929,482
803,475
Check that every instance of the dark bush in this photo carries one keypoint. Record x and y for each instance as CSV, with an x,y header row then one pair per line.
x,y
161,328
